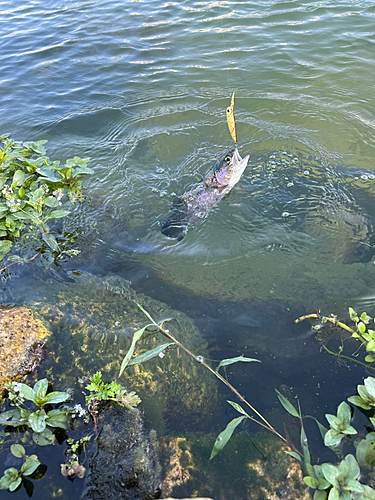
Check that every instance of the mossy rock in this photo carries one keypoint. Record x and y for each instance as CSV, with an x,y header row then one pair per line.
x,y
22,337
124,462
93,322
251,467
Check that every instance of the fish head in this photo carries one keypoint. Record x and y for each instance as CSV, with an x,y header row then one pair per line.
x,y
229,168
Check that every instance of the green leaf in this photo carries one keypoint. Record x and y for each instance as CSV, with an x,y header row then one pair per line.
x,y
370,386
23,216
305,447
40,389
51,242
230,361
362,391
353,314
57,418
17,450
18,178
333,438
14,485
311,482
365,318
27,392
333,421
358,401
330,473
353,485
138,334
323,430
82,171
44,438
224,436
48,174
370,358
29,466
57,214
287,405
368,492
37,421
57,397
334,494
149,354
361,327
146,314
370,347
295,455
320,495
365,451
343,413
237,407
353,467
12,418
10,476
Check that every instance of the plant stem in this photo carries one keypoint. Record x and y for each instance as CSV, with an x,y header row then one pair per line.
x,y
265,425
338,355
20,262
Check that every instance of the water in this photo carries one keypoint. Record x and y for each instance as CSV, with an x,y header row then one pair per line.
x,y
142,87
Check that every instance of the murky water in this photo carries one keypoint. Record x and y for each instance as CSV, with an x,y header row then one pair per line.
x,y
141,88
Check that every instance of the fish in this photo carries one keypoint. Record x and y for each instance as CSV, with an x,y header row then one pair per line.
x,y
231,120
192,208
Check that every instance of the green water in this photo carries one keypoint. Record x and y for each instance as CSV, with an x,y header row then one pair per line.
x,y
141,88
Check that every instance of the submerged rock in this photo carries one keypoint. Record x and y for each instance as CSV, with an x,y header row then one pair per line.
x,y
251,467
125,460
21,343
93,323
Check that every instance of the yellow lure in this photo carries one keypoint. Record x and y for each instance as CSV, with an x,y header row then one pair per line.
x,y
231,121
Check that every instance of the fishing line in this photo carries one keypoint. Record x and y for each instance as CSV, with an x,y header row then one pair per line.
x,y
225,48
229,110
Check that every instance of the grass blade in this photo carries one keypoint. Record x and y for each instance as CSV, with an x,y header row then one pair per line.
x,y
224,436
230,361
237,407
138,334
287,405
146,314
149,354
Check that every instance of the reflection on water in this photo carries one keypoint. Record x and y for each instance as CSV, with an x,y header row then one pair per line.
x,y
141,88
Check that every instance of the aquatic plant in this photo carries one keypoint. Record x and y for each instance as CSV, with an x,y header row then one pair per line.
x,y
72,467
339,426
112,391
33,189
361,333
163,348
366,396
13,478
337,482
39,421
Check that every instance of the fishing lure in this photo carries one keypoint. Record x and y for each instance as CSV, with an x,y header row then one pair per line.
x,y
231,120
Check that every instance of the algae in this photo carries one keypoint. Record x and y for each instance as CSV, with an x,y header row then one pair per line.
x,y
93,322
22,337
252,467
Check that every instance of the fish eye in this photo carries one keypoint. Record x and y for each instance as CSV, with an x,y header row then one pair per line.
x,y
227,159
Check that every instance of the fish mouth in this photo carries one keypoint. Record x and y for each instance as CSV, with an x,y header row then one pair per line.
x,y
238,166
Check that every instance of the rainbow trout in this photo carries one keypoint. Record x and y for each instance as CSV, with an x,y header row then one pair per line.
x,y
193,207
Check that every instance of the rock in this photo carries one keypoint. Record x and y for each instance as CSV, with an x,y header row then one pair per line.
x,y
251,467
125,460
93,322
21,343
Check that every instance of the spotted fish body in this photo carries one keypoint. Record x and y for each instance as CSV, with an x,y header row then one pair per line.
x,y
193,207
